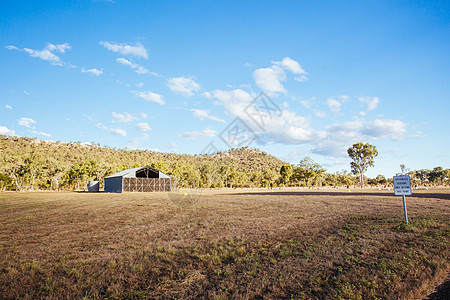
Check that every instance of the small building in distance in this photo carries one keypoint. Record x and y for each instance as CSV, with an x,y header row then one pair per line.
x,y
93,186
142,179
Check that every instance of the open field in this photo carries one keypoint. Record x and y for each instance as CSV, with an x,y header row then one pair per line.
x,y
223,244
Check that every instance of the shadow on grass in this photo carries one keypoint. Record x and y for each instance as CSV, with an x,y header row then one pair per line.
x,y
443,196
442,292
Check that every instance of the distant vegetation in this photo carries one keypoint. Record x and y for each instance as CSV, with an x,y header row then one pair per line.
x,y
31,164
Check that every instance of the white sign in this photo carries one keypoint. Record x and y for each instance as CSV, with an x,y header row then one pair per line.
x,y
402,185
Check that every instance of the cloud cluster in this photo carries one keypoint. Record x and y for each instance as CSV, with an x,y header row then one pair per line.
x,y
150,97
143,127
207,133
138,50
92,71
270,79
27,122
127,117
204,114
116,131
136,67
6,131
371,102
290,128
185,86
41,133
337,137
47,53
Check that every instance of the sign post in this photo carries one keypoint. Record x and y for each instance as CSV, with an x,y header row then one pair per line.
x,y
402,186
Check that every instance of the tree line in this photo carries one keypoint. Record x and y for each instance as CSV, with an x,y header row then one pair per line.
x,y
31,164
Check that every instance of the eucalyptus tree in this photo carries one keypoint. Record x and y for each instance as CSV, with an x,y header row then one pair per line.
x,y
362,156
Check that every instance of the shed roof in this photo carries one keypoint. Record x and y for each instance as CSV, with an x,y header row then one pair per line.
x,y
133,171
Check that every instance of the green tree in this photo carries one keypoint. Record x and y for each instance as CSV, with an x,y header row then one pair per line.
x,y
362,156
269,177
286,173
436,175
381,179
422,175
308,170
6,183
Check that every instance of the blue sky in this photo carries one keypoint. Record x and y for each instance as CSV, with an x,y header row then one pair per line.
x,y
171,76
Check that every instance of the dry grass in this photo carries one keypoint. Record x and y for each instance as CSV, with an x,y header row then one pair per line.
x,y
223,244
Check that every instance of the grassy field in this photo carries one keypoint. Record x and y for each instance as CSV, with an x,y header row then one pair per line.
x,y
222,244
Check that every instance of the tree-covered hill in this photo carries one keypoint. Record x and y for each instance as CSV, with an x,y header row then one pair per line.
x,y
34,164
31,164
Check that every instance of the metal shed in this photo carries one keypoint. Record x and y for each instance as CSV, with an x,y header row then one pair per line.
x,y
141,179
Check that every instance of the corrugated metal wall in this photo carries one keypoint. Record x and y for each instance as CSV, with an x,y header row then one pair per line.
x,y
113,185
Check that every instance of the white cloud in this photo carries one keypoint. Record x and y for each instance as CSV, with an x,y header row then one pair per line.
x,y
336,139
8,106
150,96
6,131
395,129
93,71
199,134
47,53
284,127
207,95
269,79
101,126
118,131
44,54
372,102
137,68
144,127
334,105
331,148
183,85
301,78
291,65
287,128
306,103
138,50
234,101
26,93
290,135
203,114
127,117
61,48
27,122
124,118
41,133
418,134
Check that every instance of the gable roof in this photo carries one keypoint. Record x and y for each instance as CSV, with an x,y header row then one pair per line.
x,y
132,172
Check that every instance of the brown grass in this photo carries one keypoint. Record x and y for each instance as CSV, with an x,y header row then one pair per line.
x,y
223,244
